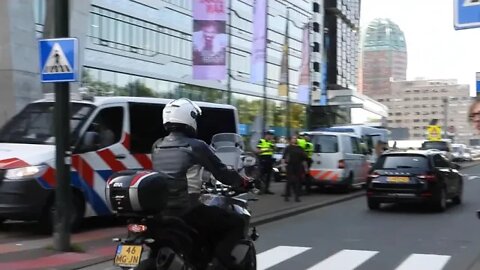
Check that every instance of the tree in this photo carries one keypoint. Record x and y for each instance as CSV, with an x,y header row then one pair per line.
x,y
137,89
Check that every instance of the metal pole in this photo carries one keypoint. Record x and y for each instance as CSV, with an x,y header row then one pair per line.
x,y
288,73
229,75
265,70
61,232
445,111
310,75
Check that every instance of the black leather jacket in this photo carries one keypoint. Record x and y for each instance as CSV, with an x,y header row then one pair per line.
x,y
184,158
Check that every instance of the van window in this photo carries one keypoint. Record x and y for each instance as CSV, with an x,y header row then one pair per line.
x,y
326,144
355,145
214,121
108,123
34,124
146,126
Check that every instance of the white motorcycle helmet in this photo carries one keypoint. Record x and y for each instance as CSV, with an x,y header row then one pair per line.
x,y
181,112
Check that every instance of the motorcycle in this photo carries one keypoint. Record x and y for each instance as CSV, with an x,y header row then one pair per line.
x,y
157,241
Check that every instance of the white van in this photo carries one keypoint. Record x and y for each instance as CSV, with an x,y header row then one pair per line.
x,y
370,136
131,126
338,160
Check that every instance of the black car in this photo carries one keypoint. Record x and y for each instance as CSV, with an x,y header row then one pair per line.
x,y
416,176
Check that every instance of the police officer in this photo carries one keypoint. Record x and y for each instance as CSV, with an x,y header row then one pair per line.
x,y
182,156
265,149
309,151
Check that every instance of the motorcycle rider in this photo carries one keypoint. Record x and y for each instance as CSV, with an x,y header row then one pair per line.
x,y
182,156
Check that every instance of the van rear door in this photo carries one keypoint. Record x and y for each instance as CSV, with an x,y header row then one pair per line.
x,y
326,151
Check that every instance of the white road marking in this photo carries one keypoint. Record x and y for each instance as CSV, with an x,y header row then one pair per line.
x,y
345,260
424,262
473,177
277,255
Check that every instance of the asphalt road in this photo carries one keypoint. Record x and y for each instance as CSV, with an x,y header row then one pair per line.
x,y
349,236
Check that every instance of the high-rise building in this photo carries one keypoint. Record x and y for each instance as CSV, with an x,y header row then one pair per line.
x,y
342,18
384,57
414,104
340,103
144,47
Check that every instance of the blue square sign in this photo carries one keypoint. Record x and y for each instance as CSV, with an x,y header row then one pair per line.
x,y
467,14
58,59
478,82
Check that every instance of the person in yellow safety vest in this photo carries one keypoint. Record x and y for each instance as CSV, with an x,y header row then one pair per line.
x,y
308,148
265,150
301,142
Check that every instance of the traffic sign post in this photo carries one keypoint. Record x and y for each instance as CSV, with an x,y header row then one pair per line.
x,y
434,133
478,82
58,64
466,14
58,59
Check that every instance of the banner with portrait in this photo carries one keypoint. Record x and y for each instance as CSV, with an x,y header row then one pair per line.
x,y
209,40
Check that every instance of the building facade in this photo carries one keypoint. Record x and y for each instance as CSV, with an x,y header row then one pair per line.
x,y
384,57
342,19
414,104
144,48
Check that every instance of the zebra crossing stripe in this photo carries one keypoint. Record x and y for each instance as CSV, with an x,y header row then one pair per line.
x,y
345,260
277,255
424,262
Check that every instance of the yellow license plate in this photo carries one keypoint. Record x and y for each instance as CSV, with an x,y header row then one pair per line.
x,y
128,255
398,179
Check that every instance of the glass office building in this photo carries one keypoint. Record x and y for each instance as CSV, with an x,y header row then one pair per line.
x,y
143,48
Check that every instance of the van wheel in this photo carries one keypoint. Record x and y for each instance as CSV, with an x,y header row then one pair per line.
x,y
349,183
46,221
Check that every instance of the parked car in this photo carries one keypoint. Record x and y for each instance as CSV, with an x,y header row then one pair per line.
x,y
414,176
443,146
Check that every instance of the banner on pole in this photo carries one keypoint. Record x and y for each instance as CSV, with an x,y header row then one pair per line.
x,y
304,79
258,59
283,82
209,40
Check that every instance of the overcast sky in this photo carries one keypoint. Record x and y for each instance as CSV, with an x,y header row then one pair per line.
x,y
435,49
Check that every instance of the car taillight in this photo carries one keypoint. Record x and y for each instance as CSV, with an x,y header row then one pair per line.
x,y
136,228
341,164
427,177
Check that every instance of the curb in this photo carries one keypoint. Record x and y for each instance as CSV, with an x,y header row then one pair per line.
x,y
267,218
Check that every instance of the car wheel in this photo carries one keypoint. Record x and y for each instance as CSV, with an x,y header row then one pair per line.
x,y
441,203
373,205
349,184
458,198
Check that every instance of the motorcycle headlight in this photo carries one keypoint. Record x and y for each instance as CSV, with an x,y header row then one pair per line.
x,y
25,172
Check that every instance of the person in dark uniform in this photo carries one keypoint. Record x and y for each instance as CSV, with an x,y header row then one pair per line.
x,y
265,149
296,160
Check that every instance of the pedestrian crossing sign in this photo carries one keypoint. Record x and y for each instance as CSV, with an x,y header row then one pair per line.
x,y
58,59
434,133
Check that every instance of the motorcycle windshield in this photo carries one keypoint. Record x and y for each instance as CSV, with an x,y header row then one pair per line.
x,y
227,139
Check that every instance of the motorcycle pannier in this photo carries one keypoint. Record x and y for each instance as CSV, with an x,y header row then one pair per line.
x,y
137,192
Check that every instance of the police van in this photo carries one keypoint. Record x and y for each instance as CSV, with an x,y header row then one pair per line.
x,y
107,134
338,160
